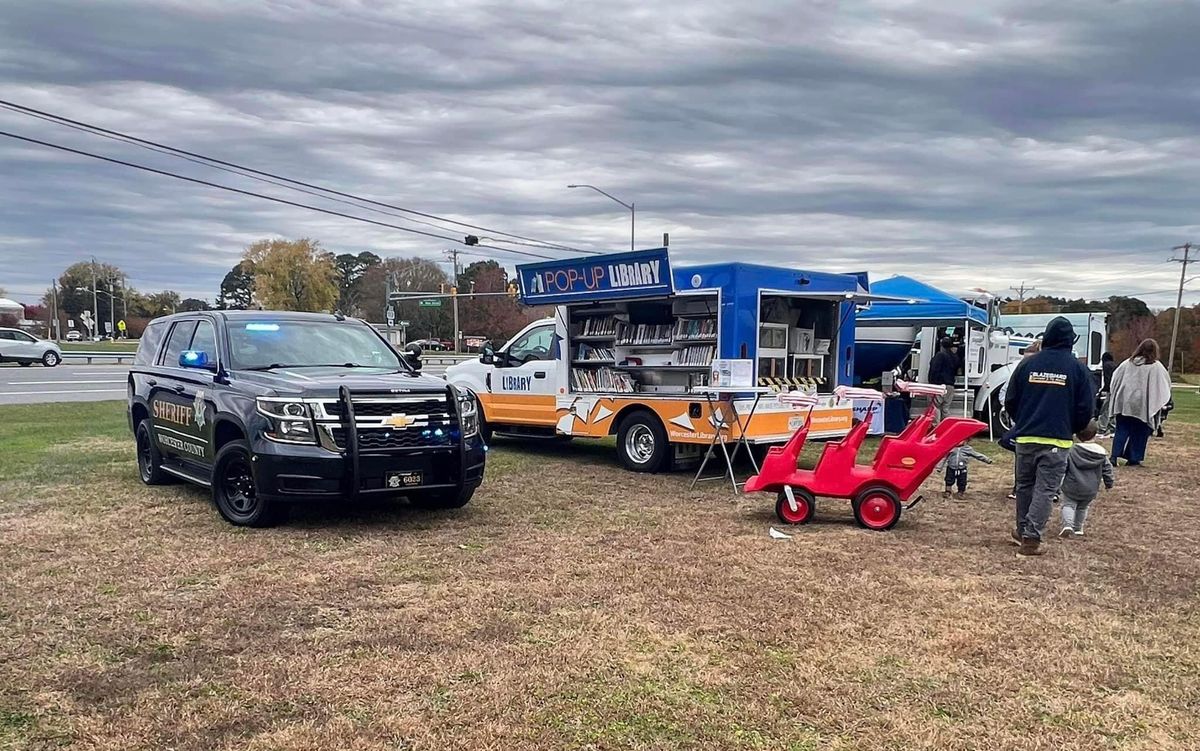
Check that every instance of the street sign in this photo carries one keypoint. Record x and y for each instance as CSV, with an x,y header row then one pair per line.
x,y
429,303
405,324
120,325
391,315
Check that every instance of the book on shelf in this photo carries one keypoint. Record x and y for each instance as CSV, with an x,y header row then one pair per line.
x,y
599,326
697,354
602,379
588,352
695,328
644,333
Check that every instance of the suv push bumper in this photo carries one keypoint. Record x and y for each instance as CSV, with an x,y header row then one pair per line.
x,y
296,472
286,472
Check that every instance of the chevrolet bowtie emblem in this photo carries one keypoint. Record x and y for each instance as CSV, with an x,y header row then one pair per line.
x,y
399,421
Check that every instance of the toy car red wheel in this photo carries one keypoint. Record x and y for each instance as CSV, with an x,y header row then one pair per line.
x,y
877,508
806,504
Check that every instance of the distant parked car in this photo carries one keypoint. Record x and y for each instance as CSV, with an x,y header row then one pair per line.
x,y
19,347
74,336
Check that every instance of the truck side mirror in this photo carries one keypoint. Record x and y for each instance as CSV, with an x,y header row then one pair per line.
x,y
487,354
412,355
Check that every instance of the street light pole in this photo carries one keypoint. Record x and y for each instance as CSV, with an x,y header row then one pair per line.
x,y
630,206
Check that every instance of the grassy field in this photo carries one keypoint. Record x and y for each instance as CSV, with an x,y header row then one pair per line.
x,y
575,605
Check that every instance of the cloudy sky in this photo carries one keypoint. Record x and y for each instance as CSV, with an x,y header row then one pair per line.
x,y
968,144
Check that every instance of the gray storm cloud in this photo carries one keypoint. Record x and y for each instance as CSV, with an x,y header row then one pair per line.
x,y
970,145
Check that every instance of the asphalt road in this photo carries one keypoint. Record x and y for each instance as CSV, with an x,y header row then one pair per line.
x,y
76,383
66,383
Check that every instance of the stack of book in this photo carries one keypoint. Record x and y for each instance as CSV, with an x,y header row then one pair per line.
x,y
588,352
599,326
603,380
644,333
697,354
695,328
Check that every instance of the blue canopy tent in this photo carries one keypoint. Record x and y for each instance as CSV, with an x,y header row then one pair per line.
x,y
886,331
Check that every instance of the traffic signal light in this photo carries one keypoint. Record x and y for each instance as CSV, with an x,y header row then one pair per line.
x,y
454,291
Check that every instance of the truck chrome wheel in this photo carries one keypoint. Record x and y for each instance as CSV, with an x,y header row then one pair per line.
x,y
639,444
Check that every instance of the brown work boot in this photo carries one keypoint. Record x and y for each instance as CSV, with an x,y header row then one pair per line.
x,y
1031,546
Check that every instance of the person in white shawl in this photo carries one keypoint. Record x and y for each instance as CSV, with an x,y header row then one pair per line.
x,y
1141,387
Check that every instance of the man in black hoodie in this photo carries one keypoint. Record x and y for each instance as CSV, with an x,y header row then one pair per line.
x,y
1050,398
943,370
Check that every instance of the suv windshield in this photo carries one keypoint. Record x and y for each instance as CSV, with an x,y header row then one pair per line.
x,y
264,344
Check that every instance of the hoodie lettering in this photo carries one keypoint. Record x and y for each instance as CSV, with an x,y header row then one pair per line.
x,y
1043,378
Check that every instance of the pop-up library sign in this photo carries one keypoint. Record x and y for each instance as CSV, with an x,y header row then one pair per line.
x,y
615,276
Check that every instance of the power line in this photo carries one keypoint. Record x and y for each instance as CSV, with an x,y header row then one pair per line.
x,y
251,173
240,173
263,196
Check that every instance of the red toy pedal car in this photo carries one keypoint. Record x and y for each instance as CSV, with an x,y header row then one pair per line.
x,y
877,492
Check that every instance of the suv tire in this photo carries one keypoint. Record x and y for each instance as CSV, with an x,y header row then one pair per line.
x,y
51,359
234,491
148,459
445,499
25,363
642,444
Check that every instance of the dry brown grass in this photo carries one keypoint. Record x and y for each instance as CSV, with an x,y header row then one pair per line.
x,y
574,605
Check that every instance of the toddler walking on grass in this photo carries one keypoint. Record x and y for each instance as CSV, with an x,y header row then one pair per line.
x,y
1087,466
956,468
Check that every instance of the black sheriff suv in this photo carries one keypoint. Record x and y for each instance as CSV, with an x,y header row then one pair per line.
x,y
267,408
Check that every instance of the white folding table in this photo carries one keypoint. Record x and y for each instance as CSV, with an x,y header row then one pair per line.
x,y
720,401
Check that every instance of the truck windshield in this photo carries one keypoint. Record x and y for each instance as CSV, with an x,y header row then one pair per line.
x,y
262,345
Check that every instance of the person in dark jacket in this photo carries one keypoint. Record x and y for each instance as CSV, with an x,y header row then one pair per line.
x,y
1050,398
1108,366
943,371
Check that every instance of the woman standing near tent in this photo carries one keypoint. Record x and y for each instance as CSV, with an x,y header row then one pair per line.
x,y
1140,389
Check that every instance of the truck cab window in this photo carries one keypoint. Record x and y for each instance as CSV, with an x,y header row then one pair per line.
x,y
535,345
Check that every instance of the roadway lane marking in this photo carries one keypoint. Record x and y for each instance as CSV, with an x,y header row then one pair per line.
x,y
78,391
54,383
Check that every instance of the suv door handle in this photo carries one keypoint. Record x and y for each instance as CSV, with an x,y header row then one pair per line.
x,y
177,388
539,374
151,382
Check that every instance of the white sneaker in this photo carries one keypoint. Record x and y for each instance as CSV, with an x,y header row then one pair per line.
x,y
1066,532
1079,533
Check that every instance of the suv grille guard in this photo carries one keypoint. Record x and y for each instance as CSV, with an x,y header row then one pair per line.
x,y
351,451
351,433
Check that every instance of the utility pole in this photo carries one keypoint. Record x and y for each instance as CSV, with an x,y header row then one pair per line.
x,y
54,331
95,302
1187,250
1021,292
453,254
112,311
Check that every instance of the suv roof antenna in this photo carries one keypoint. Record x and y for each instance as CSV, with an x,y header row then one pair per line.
x,y
339,315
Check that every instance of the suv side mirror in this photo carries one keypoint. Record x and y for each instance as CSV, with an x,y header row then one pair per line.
x,y
412,355
487,354
195,359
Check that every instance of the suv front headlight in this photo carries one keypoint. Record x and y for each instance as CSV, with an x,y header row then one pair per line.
x,y
468,413
290,420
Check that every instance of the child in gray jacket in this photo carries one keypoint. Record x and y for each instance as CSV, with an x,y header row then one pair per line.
x,y
956,468
1087,466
